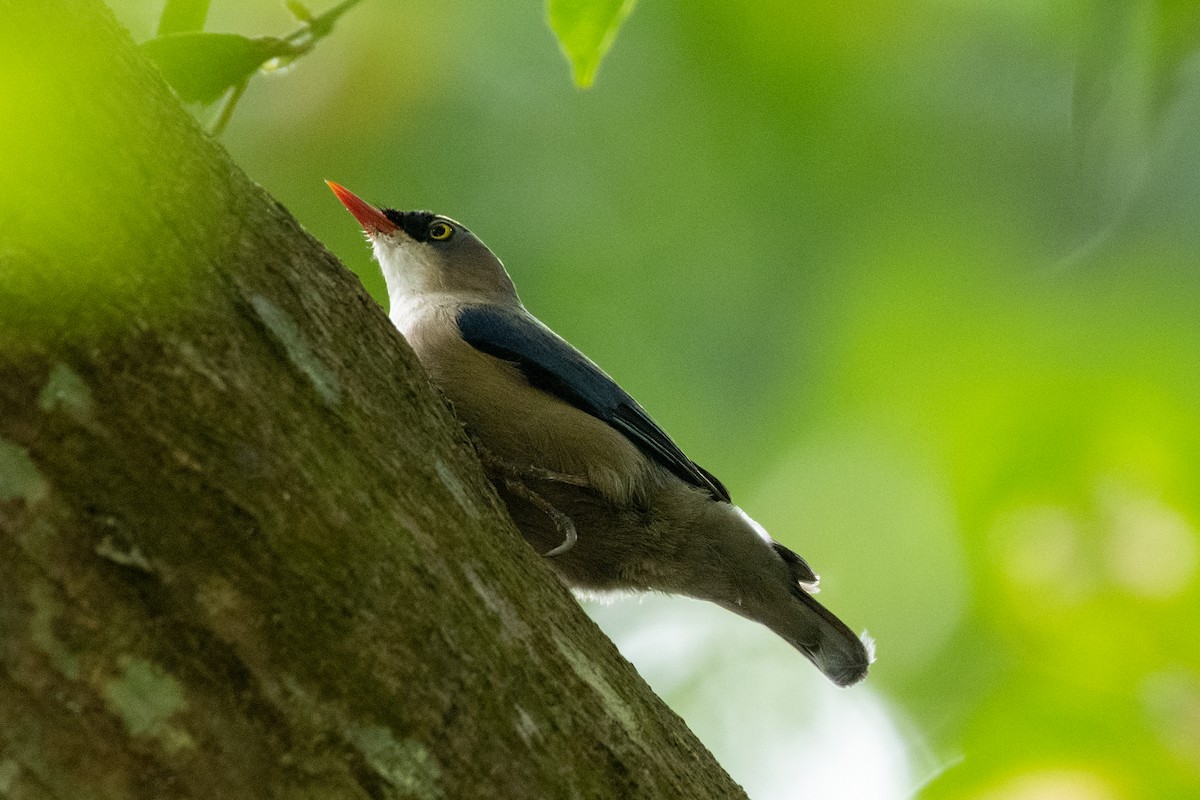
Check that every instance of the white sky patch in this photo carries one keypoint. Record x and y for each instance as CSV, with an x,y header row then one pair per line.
x,y
772,720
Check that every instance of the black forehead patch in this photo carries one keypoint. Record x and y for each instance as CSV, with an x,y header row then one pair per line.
x,y
414,223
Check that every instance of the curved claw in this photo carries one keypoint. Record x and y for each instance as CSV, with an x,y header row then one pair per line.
x,y
561,521
567,528
512,474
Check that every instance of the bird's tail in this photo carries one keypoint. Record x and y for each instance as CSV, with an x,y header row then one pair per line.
x,y
825,639
813,629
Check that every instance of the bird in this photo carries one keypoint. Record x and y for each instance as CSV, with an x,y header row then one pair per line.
x,y
587,476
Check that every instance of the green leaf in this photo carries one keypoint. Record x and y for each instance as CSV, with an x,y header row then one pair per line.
x,y
183,16
585,30
202,66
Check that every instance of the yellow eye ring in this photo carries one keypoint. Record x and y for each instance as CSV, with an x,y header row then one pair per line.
x,y
440,231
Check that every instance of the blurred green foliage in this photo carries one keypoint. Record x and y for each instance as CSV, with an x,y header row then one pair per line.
x,y
918,280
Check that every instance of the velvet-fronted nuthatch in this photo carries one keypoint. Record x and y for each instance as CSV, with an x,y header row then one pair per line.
x,y
588,477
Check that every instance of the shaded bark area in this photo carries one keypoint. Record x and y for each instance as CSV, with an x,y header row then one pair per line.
x,y
244,548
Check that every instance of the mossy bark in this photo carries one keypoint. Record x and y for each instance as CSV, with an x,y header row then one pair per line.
x,y
245,550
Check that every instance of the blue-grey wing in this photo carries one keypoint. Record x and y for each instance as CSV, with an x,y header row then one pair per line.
x,y
552,365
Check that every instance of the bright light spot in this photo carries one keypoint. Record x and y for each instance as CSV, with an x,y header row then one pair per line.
x,y
1151,549
771,719
1041,547
1142,544
1172,703
1062,784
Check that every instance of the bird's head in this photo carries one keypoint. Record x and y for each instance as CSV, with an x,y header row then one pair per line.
x,y
424,254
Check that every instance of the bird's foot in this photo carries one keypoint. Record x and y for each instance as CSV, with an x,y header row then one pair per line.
x,y
512,470
561,521
515,475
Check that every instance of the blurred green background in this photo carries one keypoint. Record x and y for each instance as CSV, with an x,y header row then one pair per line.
x,y
917,279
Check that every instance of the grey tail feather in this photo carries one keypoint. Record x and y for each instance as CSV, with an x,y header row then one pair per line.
x,y
818,633
837,652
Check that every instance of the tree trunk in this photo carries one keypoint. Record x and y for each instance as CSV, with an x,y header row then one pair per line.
x,y
244,548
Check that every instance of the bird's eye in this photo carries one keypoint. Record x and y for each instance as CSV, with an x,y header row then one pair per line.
x,y
440,231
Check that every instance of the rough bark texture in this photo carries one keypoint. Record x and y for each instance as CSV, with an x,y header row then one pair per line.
x,y
244,549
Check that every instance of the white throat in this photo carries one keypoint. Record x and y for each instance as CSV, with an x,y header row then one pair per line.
x,y
412,276
416,281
